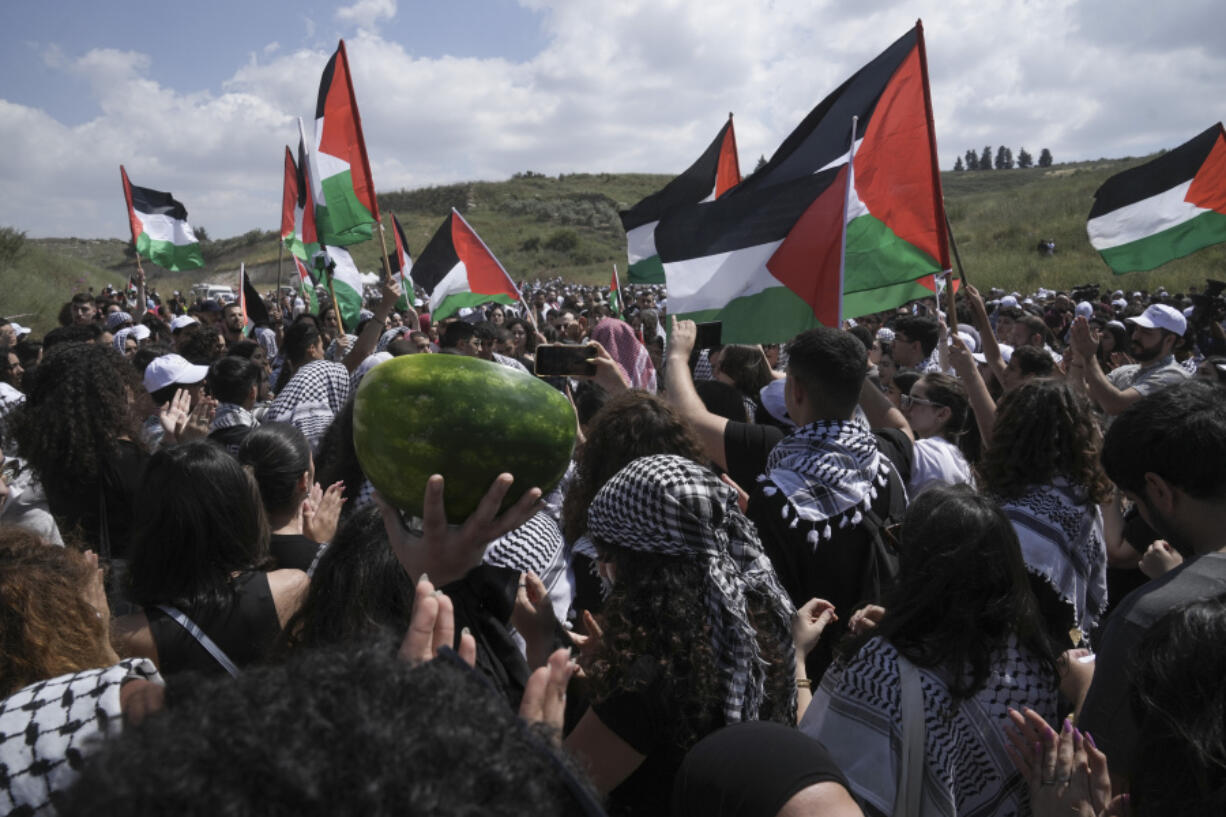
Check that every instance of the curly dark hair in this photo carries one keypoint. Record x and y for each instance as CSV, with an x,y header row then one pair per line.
x,y
337,459
429,739
631,425
47,628
76,410
962,590
1043,430
1179,702
650,617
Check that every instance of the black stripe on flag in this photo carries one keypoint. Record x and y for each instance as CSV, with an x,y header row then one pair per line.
x,y
155,202
325,84
1170,169
822,137
691,187
257,312
736,222
437,259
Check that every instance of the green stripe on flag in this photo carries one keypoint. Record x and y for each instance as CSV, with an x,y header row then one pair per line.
x,y
893,296
454,303
1155,250
774,315
174,257
646,271
876,257
342,219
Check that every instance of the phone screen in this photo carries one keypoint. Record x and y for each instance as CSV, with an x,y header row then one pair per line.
x,y
564,360
709,335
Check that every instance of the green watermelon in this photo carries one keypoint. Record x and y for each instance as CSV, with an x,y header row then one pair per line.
x,y
465,418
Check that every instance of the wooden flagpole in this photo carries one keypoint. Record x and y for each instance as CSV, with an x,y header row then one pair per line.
x,y
276,298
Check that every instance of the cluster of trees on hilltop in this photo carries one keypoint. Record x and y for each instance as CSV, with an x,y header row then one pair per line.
x,y
1004,159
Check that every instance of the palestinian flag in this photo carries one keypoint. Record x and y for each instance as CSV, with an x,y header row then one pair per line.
x,y
341,185
131,291
1164,209
303,240
306,287
401,264
160,232
458,270
615,295
773,256
343,280
249,301
715,173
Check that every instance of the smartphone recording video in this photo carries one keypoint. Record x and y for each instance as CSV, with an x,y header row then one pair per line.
x,y
561,360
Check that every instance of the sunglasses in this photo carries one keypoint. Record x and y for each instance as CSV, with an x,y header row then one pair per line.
x,y
907,401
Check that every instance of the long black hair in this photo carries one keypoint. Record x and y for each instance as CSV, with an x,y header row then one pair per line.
x,y
962,591
277,455
199,521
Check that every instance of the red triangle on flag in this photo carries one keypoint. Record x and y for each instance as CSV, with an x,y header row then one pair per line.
x,y
808,260
1208,188
485,275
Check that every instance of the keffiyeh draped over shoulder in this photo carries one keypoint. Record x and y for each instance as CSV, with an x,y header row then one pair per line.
x,y
311,399
672,506
631,356
829,472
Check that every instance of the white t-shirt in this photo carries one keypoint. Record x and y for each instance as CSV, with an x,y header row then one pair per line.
x,y
937,462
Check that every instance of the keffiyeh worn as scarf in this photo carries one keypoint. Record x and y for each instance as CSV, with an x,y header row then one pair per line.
x,y
672,506
829,472
311,399
631,356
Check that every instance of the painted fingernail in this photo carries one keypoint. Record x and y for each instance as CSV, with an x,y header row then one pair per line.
x,y
424,578
465,631
1090,738
1068,727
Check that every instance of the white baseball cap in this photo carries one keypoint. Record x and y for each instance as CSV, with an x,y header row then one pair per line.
x,y
172,370
181,321
1161,316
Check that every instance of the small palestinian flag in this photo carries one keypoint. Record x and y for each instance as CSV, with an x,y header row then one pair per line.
x,y
131,291
341,185
830,228
458,270
298,216
1164,209
615,295
160,232
249,301
401,264
306,287
716,172
343,280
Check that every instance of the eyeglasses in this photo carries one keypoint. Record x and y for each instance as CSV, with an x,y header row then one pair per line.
x,y
907,401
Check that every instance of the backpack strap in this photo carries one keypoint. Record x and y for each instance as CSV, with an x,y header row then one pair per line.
x,y
201,637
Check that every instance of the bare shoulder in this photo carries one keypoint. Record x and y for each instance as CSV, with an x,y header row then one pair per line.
x,y
132,638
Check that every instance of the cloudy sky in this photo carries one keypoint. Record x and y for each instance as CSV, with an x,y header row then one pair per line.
x,y
200,98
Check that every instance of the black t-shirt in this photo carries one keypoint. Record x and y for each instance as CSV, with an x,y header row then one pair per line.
x,y
116,489
840,568
640,719
293,550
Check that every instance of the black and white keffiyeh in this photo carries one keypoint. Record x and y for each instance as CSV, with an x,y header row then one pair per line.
x,y
48,729
537,547
672,506
232,414
828,472
311,399
1061,534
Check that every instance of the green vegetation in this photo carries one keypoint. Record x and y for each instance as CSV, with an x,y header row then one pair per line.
x,y
541,226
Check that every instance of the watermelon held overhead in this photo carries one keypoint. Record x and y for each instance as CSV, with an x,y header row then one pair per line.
x,y
467,419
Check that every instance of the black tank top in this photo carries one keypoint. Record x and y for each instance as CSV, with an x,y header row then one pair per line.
x,y
246,631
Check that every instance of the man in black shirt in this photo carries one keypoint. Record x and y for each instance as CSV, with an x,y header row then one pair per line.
x,y
824,497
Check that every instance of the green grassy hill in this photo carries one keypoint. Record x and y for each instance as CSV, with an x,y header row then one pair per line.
x,y
541,226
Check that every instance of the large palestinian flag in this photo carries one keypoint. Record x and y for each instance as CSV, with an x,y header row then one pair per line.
x,y
303,238
1164,209
716,172
341,185
160,232
458,270
769,260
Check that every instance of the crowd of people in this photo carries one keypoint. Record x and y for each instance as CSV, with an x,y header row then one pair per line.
x,y
963,557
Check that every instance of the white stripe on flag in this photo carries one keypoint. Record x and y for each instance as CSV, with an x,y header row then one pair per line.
x,y
161,227
454,282
1143,218
641,242
712,281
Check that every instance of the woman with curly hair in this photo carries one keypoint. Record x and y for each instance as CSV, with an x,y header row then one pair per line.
x,y
1043,468
629,425
912,711
696,631
62,685
78,432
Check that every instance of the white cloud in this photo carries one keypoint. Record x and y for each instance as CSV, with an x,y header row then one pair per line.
x,y
365,13
637,85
